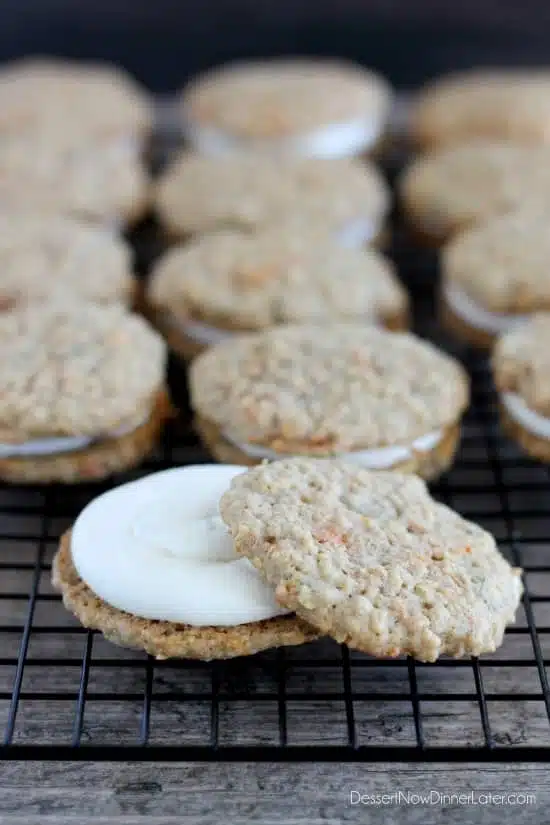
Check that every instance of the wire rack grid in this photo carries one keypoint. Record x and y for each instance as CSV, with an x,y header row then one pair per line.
x,y
66,693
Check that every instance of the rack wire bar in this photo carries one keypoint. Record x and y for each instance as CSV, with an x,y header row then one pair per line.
x,y
66,693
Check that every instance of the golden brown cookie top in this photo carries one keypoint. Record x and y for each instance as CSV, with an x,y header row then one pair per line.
x,y
106,182
45,256
460,186
51,97
494,104
275,276
76,369
283,98
371,559
252,192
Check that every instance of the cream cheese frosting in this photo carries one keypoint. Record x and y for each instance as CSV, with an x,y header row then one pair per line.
x,y
477,316
530,420
204,334
208,335
335,140
53,446
158,549
380,458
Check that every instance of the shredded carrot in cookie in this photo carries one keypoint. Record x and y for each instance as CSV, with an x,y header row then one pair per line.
x,y
330,534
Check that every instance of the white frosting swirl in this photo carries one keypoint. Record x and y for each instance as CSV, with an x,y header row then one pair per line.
x,y
336,140
477,316
380,458
157,548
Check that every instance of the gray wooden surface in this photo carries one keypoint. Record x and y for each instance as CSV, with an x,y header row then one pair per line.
x,y
205,794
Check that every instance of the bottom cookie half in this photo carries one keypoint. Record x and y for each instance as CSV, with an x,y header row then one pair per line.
x,y
165,640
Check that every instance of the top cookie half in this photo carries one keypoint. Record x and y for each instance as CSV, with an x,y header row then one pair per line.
x,y
251,192
497,104
457,187
104,181
327,389
75,368
299,107
52,97
371,559
236,281
46,257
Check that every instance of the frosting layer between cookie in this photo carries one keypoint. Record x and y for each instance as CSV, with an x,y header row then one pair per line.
x,y
477,316
53,446
377,459
532,421
337,140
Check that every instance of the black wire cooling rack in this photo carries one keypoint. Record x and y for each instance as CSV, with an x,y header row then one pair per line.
x,y
66,693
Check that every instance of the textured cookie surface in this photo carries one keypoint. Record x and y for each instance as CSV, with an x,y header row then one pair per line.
x,y
77,369
521,363
503,264
52,256
467,184
199,193
103,181
280,98
330,388
274,277
53,97
165,640
371,559
494,104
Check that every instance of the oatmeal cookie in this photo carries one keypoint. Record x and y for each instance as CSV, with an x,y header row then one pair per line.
x,y
372,560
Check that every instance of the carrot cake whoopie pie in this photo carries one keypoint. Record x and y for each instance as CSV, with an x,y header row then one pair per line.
x,y
380,399
152,566
349,199
226,282
82,392
461,186
49,256
52,97
494,276
521,369
106,184
492,104
308,107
